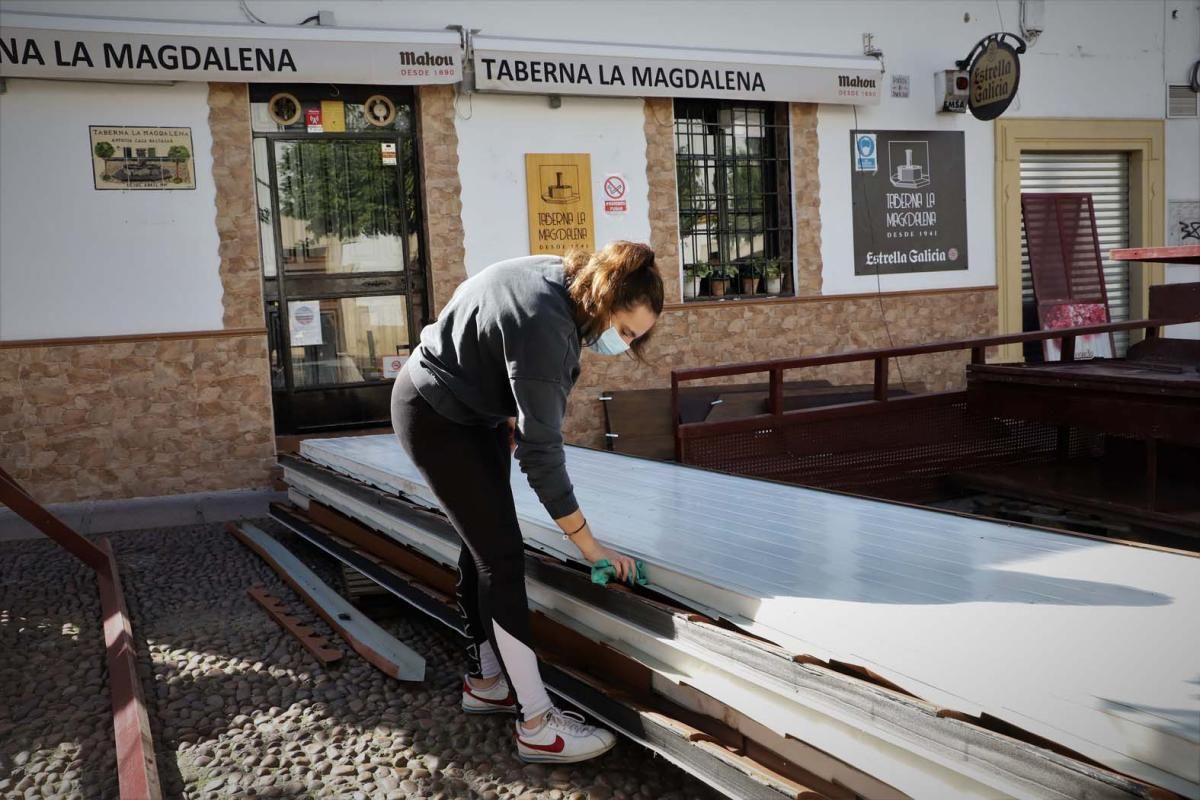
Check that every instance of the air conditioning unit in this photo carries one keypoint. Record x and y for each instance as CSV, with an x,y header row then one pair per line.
x,y
1182,102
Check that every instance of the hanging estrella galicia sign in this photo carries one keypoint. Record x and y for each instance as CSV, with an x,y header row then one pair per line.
x,y
994,73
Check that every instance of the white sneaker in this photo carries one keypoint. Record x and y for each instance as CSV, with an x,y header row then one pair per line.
x,y
563,737
496,699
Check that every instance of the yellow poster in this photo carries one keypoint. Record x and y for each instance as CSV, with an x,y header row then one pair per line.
x,y
333,116
142,158
559,188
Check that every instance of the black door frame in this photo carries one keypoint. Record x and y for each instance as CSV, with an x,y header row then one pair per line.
x,y
289,418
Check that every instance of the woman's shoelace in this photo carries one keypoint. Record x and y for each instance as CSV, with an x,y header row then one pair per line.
x,y
572,721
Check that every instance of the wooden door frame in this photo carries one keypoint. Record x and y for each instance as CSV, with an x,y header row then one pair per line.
x,y
1142,139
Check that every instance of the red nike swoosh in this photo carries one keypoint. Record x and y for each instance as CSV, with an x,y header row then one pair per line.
x,y
557,747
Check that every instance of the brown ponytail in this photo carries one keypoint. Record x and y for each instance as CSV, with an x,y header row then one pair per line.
x,y
617,278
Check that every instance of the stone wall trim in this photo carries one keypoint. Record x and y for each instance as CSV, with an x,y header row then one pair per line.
x,y
81,341
825,298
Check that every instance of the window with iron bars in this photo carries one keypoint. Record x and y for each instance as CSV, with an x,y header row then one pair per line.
x,y
735,203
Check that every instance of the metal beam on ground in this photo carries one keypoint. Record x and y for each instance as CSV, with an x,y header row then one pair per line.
x,y
137,767
373,643
20,501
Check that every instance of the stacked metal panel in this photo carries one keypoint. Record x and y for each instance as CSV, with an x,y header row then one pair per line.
x,y
1090,644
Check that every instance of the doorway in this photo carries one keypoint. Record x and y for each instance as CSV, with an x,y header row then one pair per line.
x,y
343,273
1138,144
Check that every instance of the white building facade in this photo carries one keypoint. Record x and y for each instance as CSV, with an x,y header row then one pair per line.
x,y
154,338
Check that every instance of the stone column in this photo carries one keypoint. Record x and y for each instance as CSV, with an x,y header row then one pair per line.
x,y
444,237
806,186
663,202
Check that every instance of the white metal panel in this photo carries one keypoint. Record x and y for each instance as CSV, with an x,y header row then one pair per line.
x,y
1088,643
1106,177
821,720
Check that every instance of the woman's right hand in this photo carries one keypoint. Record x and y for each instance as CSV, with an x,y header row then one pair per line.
x,y
625,566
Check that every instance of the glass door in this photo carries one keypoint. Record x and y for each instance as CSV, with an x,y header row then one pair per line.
x,y
343,278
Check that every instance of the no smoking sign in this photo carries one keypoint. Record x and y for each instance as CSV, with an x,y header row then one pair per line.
x,y
614,195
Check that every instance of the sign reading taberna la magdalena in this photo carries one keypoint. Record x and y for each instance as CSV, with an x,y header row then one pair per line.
x,y
592,68
994,75
31,47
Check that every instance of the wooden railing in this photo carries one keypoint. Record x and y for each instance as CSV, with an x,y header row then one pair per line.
x,y
776,368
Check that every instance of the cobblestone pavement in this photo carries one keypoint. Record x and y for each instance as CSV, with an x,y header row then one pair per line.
x,y
238,708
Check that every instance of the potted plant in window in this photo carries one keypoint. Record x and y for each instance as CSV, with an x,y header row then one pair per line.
x,y
692,274
750,272
774,276
718,281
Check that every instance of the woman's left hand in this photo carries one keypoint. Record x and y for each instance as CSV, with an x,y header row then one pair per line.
x,y
625,566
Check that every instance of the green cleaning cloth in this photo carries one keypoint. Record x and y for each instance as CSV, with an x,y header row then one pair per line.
x,y
603,572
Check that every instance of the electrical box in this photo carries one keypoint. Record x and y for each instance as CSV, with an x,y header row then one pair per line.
x,y
950,89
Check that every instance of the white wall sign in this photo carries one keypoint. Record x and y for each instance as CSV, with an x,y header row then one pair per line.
x,y
82,48
1183,222
304,322
585,68
614,188
392,365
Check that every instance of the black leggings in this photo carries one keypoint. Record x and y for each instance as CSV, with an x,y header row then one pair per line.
x,y
468,469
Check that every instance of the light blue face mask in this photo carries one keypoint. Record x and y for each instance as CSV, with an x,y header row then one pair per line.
x,y
610,343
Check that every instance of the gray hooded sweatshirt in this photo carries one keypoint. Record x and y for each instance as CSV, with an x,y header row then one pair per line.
x,y
506,345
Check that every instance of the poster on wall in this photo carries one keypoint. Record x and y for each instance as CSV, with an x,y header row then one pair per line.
x,y
126,158
1183,222
559,195
909,193
304,323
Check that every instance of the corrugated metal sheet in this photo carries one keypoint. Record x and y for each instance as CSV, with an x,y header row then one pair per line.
x,y
966,613
1106,177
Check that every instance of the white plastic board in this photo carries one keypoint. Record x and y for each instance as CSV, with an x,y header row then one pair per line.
x,y
1091,644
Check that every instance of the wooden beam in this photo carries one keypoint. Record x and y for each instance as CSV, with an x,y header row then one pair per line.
x,y
20,501
313,643
373,643
86,341
381,547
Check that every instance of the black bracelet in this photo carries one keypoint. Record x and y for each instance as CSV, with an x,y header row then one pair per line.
x,y
577,530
